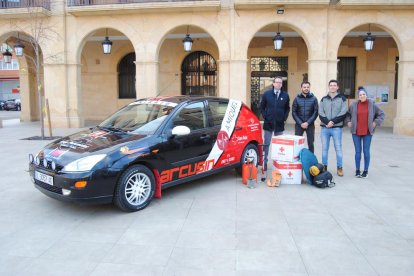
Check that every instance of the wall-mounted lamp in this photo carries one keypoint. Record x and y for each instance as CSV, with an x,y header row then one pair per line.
x,y
278,40
18,47
280,10
188,41
106,44
369,40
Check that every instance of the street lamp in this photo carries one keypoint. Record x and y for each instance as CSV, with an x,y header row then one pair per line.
x,y
18,47
278,40
187,42
7,56
369,40
106,44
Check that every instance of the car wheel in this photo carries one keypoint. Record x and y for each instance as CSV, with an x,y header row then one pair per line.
x,y
135,189
249,151
18,108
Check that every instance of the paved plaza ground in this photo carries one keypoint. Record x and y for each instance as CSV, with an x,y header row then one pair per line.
x,y
215,226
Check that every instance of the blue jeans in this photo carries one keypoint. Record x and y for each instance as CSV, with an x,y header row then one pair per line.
x,y
336,134
267,141
362,143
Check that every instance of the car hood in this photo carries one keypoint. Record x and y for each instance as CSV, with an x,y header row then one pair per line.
x,y
86,143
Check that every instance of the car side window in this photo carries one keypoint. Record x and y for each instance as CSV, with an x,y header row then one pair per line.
x,y
192,116
217,111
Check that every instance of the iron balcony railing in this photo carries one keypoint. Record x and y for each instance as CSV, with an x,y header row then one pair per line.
x,y
73,3
12,4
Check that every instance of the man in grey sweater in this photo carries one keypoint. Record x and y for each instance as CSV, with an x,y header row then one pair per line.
x,y
332,112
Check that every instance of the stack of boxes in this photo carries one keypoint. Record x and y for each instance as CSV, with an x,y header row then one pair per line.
x,y
285,157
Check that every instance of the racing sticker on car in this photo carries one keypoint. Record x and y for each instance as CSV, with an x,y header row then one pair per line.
x,y
226,130
97,134
154,101
126,150
57,153
186,170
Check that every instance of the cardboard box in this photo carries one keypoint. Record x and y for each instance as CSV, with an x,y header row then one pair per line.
x,y
291,171
287,147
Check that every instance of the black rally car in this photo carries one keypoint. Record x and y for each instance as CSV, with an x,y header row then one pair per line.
x,y
148,145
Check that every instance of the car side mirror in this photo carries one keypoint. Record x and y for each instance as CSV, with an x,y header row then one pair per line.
x,y
180,131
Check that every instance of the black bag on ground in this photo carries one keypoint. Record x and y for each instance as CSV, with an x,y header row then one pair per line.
x,y
324,180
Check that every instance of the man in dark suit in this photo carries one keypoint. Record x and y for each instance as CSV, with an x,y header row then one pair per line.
x,y
274,107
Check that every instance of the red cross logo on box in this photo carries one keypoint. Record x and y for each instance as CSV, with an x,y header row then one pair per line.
x,y
281,149
289,174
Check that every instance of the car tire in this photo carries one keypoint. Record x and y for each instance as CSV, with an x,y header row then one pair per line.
x,y
135,189
18,108
249,151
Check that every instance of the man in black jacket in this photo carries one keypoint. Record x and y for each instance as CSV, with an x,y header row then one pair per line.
x,y
274,107
305,112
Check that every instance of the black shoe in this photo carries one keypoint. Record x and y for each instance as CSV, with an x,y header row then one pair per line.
x,y
358,173
325,168
364,174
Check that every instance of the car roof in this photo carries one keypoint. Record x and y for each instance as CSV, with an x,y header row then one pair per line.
x,y
181,98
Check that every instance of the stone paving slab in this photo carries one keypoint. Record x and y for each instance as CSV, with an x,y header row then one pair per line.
x,y
216,226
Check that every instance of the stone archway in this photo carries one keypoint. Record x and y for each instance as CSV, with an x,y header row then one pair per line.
x,y
376,70
99,75
265,62
172,58
26,86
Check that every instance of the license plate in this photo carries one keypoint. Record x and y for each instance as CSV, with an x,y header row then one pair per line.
x,y
44,178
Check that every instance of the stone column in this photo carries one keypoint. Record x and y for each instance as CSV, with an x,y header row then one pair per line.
x,y
147,78
321,71
238,80
223,82
74,94
404,121
62,89
28,96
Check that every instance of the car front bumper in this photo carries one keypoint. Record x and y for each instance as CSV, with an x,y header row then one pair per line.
x,y
99,189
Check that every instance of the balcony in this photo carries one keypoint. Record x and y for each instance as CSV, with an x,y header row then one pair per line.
x,y
22,8
88,7
265,4
16,4
384,4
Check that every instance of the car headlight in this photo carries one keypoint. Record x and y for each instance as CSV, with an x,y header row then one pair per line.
x,y
83,164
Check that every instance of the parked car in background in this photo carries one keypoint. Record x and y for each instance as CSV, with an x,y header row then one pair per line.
x,y
13,105
148,145
2,104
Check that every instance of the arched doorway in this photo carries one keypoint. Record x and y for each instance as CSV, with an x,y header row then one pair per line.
x,y
107,81
24,75
126,77
262,72
376,70
199,74
265,62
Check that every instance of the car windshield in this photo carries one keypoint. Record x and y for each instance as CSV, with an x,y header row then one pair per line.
x,y
141,117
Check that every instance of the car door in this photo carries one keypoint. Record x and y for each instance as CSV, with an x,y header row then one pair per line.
x,y
186,155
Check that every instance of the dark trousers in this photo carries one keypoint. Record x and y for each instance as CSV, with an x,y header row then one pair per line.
x,y
310,134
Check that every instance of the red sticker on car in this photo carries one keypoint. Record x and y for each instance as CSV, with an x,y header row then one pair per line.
x,y
57,152
222,140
